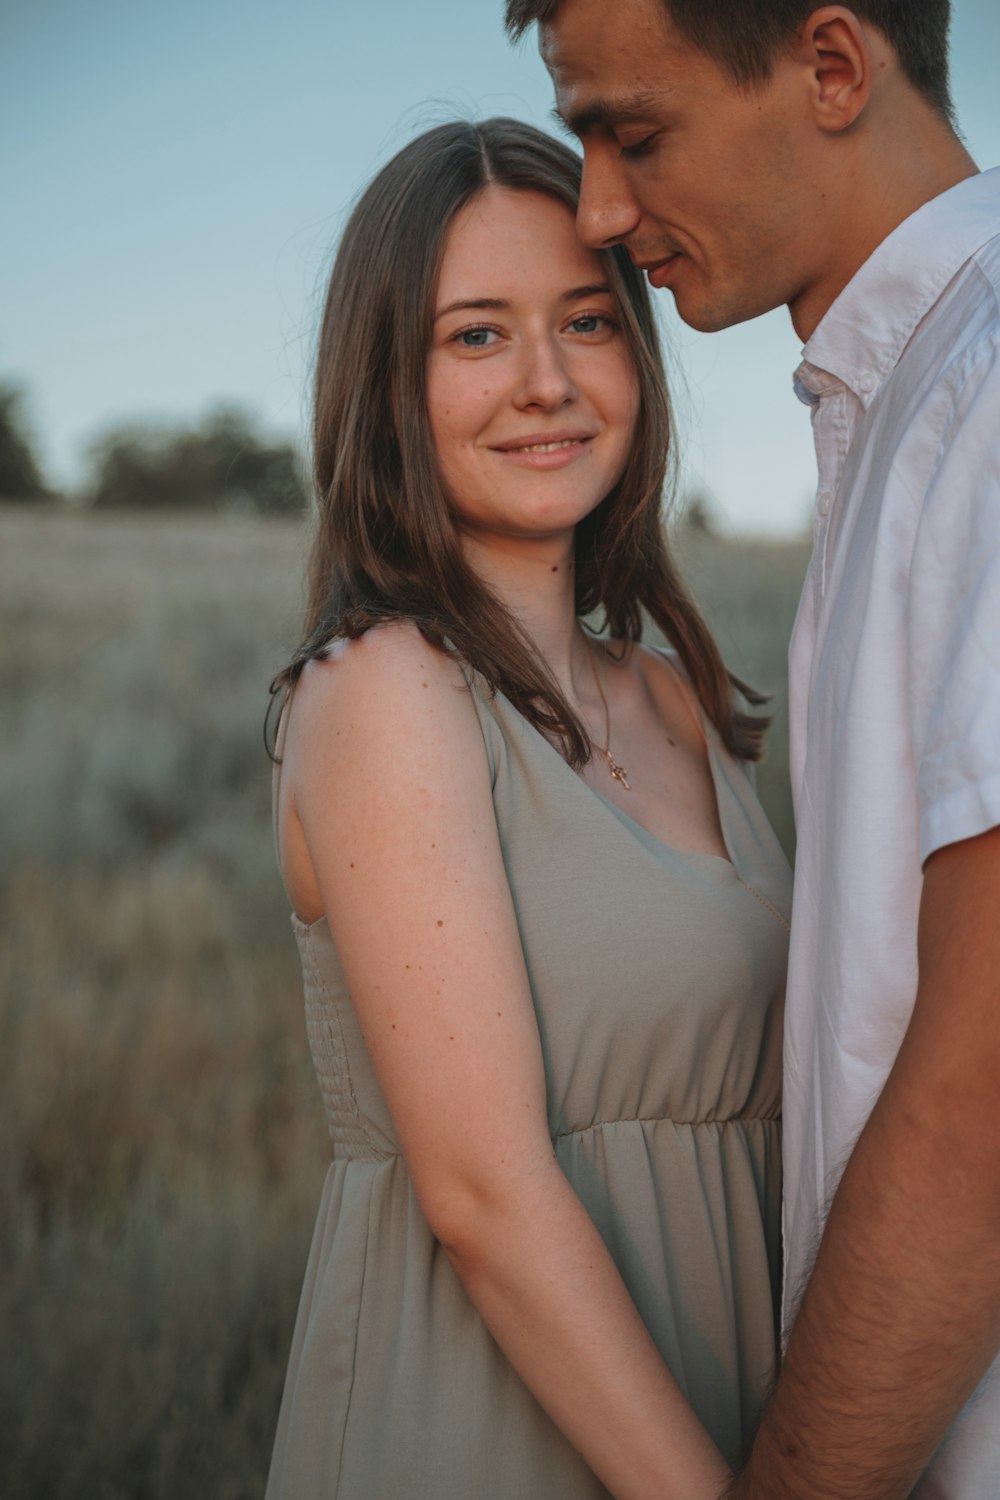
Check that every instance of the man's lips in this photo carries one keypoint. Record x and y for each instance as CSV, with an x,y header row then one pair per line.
x,y
658,271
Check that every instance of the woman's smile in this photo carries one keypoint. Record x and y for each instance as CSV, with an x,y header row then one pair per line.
x,y
541,452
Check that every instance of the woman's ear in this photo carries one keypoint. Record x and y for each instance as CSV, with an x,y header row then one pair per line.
x,y
839,55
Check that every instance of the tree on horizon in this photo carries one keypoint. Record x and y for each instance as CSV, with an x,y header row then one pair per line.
x,y
20,473
223,463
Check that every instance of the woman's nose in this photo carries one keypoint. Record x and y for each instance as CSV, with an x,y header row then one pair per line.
x,y
607,212
546,380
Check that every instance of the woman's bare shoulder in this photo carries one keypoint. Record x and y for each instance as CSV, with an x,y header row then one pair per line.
x,y
387,720
390,677
380,731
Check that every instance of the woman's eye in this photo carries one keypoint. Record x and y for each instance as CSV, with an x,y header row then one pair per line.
x,y
588,323
475,338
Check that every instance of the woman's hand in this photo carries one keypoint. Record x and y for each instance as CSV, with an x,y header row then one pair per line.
x,y
386,794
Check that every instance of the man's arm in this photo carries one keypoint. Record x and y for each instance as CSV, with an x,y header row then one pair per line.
x,y
901,1317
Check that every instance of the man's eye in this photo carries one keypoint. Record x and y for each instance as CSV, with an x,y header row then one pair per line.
x,y
639,148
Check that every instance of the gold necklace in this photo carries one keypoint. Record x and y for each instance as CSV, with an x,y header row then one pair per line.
x,y
616,771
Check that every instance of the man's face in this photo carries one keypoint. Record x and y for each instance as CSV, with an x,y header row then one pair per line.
x,y
715,192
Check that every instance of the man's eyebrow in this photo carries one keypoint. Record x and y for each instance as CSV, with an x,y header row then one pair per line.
x,y
497,304
608,112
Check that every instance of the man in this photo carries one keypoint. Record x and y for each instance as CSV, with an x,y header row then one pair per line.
x,y
754,154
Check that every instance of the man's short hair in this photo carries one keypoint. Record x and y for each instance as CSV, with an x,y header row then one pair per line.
x,y
744,37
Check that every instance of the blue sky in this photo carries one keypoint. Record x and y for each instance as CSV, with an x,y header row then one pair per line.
x,y
173,178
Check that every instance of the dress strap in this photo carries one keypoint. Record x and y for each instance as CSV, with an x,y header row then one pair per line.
x,y
484,702
277,764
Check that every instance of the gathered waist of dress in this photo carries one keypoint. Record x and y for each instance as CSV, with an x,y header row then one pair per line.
x,y
353,1150
747,1121
353,1145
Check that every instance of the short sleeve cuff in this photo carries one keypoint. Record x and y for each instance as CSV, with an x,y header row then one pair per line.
x,y
963,814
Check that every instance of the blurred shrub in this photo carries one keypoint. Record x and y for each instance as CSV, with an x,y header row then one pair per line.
x,y
20,475
697,512
164,1144
162,1165
223,464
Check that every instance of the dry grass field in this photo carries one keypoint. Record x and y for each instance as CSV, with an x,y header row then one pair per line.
x,y
163,1142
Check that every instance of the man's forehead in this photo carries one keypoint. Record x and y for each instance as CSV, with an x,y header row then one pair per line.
x,y
582,21
579,36
594,52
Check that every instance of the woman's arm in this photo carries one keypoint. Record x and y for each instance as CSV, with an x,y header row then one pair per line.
x,y
387,777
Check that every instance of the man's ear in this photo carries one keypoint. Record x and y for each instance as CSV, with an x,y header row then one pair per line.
x,y
834,47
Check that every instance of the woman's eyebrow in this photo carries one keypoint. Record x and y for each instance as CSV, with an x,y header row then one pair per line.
x,y
498,304
474,304
594,289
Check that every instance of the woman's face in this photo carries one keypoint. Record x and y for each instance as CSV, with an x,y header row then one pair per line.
x,y
531,391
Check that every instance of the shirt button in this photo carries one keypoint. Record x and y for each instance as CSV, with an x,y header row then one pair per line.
x,y
823,502
867,383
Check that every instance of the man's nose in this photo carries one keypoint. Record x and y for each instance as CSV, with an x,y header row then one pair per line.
x,y
607,213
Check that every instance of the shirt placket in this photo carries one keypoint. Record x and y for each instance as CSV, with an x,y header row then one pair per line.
x,y
831,433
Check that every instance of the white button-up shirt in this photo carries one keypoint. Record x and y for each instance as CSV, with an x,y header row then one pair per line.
x,y
895,692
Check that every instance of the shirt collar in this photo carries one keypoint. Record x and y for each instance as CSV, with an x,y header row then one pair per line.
x,y
859,340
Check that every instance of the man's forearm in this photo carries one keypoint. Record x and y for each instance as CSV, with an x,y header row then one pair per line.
x,y
897,1326
901,1317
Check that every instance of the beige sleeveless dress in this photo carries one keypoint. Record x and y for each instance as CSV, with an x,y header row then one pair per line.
x,y
657,979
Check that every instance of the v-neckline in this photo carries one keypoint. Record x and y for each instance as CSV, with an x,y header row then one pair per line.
x,y
638,830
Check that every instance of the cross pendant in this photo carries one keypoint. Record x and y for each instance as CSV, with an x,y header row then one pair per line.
x,y
617,771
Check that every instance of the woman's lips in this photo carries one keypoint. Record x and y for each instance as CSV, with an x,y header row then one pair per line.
x,y
545,452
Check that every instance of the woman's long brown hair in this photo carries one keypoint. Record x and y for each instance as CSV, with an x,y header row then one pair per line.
x,y
386,545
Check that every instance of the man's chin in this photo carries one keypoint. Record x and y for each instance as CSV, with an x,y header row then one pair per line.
x,y
707,316
702,313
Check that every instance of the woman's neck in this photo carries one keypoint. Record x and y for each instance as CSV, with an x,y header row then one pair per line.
x,y
535,580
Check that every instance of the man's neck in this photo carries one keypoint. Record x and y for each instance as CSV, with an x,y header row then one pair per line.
x,y
883,189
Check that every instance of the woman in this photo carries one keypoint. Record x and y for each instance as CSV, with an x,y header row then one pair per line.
x,y
541,914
